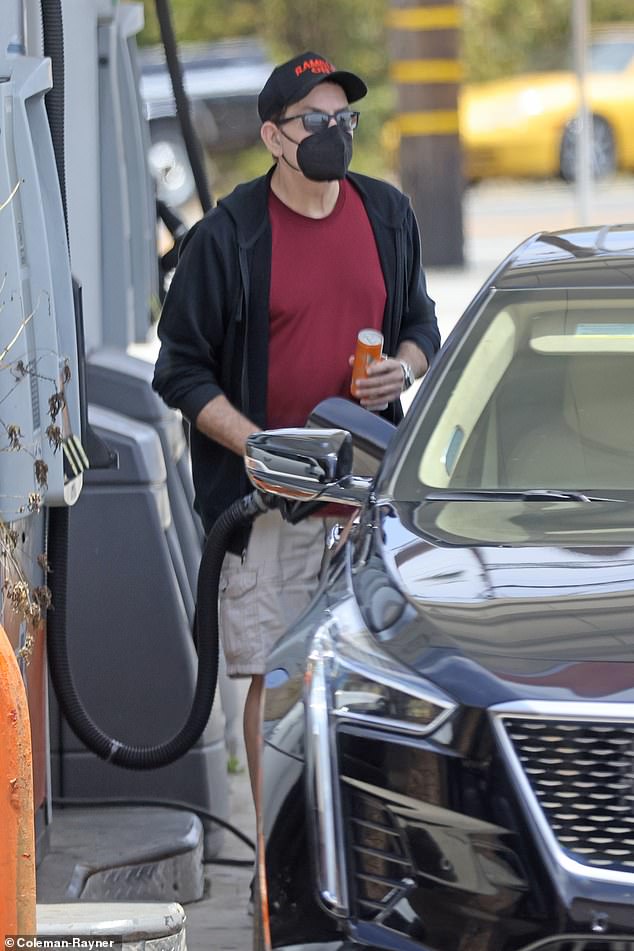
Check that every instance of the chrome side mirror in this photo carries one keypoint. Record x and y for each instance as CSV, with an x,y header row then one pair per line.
x,y
305,464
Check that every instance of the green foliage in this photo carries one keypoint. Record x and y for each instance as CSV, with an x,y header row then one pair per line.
x,y
228,169
202,20
350,33
499,37
502,37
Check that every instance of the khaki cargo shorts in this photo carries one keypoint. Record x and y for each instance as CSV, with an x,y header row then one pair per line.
x,y
259,599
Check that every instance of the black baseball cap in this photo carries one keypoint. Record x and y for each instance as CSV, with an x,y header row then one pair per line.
x,y
293,80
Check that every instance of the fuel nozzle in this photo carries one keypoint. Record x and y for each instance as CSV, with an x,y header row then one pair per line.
x,y
256,503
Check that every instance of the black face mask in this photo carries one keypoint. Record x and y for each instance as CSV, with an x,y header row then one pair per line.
x,y
324,156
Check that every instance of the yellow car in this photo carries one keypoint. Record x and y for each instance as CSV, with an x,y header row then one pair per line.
x,y
524,126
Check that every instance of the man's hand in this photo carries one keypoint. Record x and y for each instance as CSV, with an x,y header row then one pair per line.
x,y
384,383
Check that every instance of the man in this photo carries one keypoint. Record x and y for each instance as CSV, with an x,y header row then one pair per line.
x,y
259,326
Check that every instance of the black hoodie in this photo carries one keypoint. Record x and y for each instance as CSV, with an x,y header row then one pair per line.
x,y
215,320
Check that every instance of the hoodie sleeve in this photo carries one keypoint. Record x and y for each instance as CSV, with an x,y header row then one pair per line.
x,y
419,322
192,323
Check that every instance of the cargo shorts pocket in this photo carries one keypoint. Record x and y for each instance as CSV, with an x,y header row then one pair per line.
x,y
239,621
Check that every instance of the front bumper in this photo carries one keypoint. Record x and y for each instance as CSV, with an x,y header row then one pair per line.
x,y
440,854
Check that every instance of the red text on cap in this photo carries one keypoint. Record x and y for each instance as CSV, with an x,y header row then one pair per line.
x,y
314,66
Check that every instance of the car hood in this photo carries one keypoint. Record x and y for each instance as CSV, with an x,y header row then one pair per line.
x,y
537,620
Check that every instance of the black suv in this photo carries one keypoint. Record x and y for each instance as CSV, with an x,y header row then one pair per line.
x,y
449,728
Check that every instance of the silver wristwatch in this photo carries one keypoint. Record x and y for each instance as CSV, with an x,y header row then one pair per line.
x,y
408,375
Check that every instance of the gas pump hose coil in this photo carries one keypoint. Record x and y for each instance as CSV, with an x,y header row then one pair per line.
x,y
240,513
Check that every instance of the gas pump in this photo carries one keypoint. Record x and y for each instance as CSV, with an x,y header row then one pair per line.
x,y
43,458
114,547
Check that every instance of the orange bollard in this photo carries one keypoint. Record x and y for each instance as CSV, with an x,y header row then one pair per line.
x,y
17,837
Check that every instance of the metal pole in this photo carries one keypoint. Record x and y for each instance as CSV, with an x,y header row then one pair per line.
x,y
427,70
580,18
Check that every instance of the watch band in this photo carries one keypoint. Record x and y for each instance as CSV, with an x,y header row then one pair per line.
x,y
408,374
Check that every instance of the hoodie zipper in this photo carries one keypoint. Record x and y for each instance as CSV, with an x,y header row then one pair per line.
x,y
243,311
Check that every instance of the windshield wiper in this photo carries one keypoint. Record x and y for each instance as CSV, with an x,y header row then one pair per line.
x,y
521,495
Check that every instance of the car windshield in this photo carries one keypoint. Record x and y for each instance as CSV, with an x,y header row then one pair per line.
x,y
610,57
538,394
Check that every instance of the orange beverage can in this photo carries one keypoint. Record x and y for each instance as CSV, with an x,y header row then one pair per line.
x,y
369,349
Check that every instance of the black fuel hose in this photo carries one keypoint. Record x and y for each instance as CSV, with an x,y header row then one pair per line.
x,y
53,40
53,30
178,229
240,513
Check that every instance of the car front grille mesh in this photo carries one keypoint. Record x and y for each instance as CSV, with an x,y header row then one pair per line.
x,y
582,774
381,869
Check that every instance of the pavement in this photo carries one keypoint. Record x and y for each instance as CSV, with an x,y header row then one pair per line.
x,y
220,921
497,217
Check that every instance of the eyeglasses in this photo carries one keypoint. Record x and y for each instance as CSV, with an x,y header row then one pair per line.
x,y
318,121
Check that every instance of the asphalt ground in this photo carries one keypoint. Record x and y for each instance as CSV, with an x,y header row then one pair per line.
x,y
497,216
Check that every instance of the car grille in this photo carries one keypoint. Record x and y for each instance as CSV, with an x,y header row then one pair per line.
x,y
380,868
582,773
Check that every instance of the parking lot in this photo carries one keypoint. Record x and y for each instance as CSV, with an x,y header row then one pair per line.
x,y
497,216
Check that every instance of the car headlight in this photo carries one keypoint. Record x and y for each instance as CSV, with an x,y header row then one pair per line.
x,y
356,697
349,677
368,684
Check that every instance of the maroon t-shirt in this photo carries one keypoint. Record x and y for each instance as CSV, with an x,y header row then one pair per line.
x,y
326,285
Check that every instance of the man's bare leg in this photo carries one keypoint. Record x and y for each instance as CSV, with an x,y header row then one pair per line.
x,y
252,729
